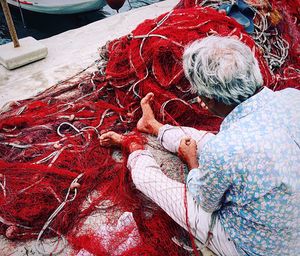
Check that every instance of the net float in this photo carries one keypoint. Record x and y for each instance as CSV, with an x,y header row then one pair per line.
x,y
115,4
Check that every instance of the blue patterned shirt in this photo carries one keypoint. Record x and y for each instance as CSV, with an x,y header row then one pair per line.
x,y
249,173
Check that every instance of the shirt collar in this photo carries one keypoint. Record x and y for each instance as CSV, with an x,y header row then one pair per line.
x,y
248,106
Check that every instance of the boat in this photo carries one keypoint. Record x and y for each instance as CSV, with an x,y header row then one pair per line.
x,y
59,6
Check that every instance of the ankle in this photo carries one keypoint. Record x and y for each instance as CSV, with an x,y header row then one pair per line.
x,y
155,126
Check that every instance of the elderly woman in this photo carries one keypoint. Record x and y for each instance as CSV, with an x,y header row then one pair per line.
x,y
243,183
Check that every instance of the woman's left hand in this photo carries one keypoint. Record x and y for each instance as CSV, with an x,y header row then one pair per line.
x,y
187,151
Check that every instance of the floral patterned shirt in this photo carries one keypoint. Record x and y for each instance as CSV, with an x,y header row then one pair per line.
x,y
249,173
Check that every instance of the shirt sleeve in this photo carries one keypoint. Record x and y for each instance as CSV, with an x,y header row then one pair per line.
x,y
209,183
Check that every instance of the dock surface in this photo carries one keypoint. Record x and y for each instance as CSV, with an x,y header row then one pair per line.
x,y
72,51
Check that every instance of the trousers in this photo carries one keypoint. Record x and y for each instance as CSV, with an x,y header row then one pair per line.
x,y
172,196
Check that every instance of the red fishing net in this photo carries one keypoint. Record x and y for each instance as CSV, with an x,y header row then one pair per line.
x,y
52,163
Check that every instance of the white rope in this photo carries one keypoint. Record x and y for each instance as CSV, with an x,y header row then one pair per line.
x,y
21,110
11,135
3,185
92,80
9,130
141,47
162,109
160,36
32,185
9,223
7,106
105,204
105,113
91,128
266,37
118,102
45,159
15,145
38,244
55,157
68,124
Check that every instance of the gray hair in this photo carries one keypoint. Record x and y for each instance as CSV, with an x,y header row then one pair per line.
x,y
222,68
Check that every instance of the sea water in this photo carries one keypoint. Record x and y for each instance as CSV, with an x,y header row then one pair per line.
x,y
41,26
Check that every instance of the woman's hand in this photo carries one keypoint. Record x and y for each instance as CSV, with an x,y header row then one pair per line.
x,y
187,151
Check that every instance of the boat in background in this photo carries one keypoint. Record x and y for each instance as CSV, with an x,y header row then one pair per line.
x,y
59,6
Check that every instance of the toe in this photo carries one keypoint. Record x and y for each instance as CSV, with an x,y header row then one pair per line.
x,y
147,98
106,135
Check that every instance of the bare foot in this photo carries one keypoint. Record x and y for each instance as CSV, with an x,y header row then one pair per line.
x,y
111,139
148,123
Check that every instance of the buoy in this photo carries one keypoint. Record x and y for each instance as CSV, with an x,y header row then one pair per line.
x,y
115,4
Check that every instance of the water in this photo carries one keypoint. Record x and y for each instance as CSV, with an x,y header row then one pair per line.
x,y
41,26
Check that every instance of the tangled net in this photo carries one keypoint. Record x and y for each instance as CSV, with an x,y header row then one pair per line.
x,y
51,161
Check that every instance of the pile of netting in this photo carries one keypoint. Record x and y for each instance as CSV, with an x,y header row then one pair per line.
x,y
53,172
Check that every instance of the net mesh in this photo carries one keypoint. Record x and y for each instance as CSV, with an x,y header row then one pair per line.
x,y
51,160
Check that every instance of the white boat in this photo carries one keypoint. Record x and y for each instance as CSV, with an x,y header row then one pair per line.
x,y
59,6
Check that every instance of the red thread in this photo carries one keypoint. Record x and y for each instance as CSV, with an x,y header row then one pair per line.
x,y
40,157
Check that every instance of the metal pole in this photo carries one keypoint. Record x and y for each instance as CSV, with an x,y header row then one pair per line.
x,y
10,23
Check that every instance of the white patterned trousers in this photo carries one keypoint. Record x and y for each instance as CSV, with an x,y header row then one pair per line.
x,y
170,194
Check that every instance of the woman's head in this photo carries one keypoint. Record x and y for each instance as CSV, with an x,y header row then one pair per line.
x,y
223,69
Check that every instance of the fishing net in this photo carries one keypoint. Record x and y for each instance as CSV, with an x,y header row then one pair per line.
x,y
53,172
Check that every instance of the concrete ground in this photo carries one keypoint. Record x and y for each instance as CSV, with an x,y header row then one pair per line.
x,y
71,52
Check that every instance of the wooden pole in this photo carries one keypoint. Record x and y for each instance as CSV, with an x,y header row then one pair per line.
x,y
10,23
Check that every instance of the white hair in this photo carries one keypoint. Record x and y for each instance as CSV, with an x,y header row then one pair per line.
x,y
222,68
